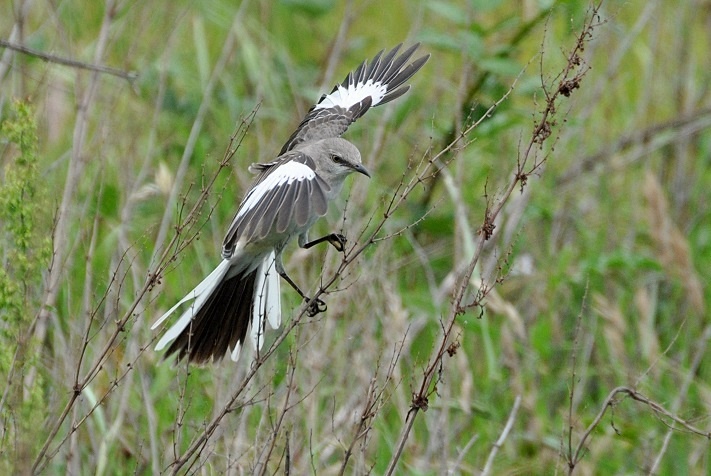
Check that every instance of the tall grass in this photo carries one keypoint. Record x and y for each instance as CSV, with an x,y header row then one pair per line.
x,y
525,289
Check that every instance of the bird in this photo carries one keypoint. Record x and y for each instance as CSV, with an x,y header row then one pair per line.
x,y
242,295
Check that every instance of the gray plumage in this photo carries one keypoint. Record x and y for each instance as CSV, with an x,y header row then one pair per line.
x,y
242,295
291,205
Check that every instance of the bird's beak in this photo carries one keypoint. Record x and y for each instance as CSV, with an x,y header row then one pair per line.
x,y
359,168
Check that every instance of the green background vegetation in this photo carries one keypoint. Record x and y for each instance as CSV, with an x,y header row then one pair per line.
x,y
603,257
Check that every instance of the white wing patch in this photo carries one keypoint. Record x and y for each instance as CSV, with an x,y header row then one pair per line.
x,y
283,174
353,94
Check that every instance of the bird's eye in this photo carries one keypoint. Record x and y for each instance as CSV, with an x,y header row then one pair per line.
x,y
337,158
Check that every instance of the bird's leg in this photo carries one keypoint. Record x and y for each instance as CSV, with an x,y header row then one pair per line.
x,y
314,305
337,240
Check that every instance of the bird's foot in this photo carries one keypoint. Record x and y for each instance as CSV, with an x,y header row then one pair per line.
x,y
315,306
338,241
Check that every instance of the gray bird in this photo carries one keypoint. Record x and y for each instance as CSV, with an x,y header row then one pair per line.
x,y
289,194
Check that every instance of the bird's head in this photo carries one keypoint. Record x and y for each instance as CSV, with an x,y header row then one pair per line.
x,y
335,159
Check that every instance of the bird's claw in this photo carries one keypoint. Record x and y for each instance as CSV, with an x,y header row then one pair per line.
x,y
338,241
315,306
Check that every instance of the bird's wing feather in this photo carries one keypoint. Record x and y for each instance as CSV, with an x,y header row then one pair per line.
x,y
369,85
286,193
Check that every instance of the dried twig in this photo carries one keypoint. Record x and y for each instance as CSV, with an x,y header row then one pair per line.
x,y
129,76
610,401
696,362
567,82
504,434
170,253
573,372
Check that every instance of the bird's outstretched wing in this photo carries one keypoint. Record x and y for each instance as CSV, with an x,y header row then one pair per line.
x,y
370,85
286,192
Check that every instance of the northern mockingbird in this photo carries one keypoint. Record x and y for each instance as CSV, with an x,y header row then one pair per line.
x,y
289,194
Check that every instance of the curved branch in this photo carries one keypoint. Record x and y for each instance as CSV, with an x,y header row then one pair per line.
x,y
129,76
634,395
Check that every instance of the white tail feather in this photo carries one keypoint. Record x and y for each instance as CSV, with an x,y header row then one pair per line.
x,y
234,355
255,332
201,293
267,300
273,308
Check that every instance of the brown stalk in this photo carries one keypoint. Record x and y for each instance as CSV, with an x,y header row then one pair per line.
x,y
568,80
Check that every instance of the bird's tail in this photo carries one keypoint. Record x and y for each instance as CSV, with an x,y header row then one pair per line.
x,y
226,304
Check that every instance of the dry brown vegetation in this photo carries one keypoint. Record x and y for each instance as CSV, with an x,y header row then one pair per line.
x,y
525,288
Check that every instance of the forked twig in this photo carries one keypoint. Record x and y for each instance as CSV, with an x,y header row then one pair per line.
x,y
610,401
169,254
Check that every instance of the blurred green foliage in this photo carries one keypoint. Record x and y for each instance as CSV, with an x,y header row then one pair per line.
x,y
25,252
604,256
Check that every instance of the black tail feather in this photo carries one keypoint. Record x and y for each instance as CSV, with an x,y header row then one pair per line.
x,y
221,323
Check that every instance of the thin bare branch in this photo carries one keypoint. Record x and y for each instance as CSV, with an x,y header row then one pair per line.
x,y
567,82
129,76
502,438
611,401
168,255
